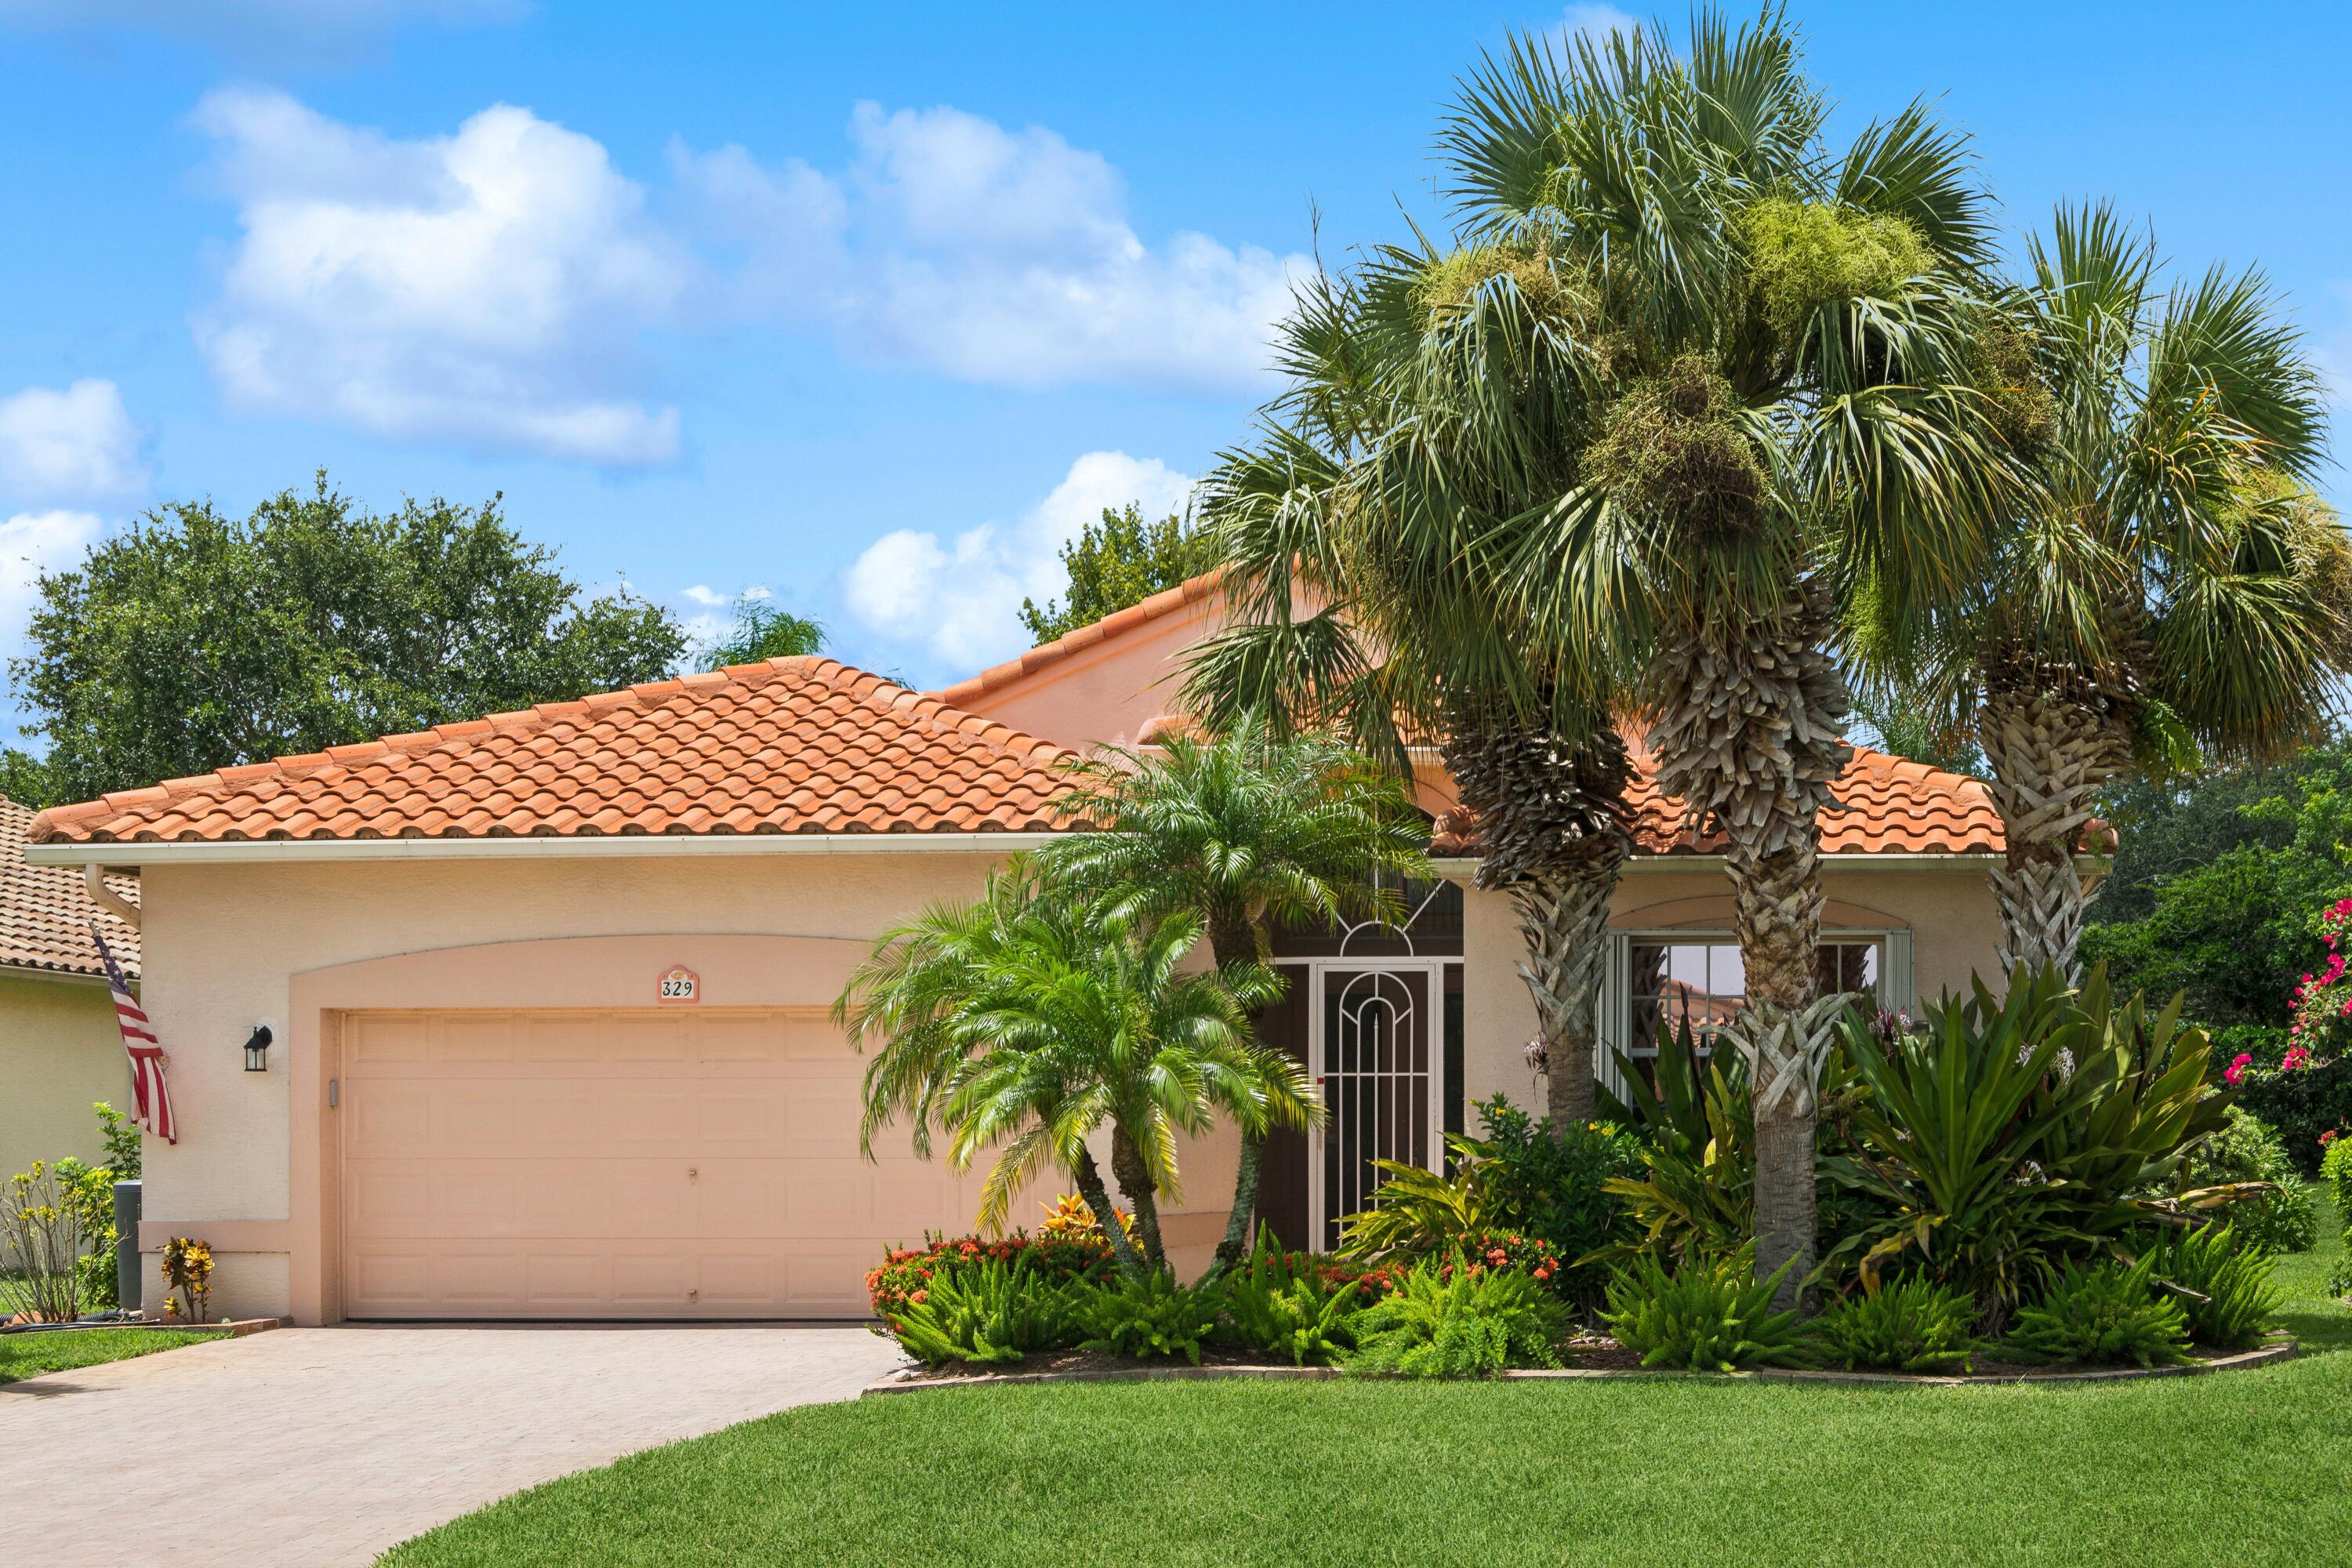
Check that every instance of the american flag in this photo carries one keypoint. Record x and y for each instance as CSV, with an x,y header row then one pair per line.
x,y
146,1055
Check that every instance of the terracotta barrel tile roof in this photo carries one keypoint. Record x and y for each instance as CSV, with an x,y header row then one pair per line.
x,y
45,914
1167,602
1895,806
793,746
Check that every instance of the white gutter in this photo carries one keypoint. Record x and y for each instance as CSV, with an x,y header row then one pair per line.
x,y
1660,865
93,879
656,845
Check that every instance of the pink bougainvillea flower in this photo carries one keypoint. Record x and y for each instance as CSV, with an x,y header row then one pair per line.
x,y
2327,1137
2236,1073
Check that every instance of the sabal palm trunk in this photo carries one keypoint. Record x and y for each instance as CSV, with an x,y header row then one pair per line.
x,y
2050,753
1552,833
1748,714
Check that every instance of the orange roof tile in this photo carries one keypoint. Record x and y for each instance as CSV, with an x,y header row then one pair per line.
x,y
793,746
1167,602
1894,806
45,914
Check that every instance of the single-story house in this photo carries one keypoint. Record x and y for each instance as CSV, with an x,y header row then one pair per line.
x,y
548,990
59,1049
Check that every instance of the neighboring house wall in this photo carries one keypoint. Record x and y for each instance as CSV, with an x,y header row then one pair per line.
x,y
58,1053
230,945
1107,690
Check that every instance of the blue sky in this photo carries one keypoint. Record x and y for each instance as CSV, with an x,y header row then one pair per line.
x,y
869,306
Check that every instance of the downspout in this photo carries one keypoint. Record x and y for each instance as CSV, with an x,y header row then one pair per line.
x,y
93,878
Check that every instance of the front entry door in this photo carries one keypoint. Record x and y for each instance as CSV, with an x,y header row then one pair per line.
x,y
1376,1058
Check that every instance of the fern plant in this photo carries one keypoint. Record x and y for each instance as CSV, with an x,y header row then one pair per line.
x,y
992,1311
1152,1316
1912,1325
1712,1314
2223,1282
1462,1320
1275,1303
2105,1314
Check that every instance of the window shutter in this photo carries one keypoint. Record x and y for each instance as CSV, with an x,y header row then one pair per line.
x,y
1896,991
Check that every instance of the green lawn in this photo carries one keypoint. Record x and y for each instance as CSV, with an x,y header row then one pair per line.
x,y
2236,1468
30,1355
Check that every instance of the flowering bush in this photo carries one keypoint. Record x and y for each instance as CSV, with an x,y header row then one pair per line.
x,y
1071,1217
2306,1093
187,1270
905,1274
1490,1251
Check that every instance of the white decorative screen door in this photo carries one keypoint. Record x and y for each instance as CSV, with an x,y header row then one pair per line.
x,y
1376,1053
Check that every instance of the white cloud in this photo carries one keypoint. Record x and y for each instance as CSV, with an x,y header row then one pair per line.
x,y
1595,23
32,542
74,444
486,288
707,596
959,600
993,255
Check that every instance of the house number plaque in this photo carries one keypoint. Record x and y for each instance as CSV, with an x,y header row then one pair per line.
x,y
679,984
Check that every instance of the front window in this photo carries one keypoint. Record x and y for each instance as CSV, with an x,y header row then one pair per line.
x,y
1700,982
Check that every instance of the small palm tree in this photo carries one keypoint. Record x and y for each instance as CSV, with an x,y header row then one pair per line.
x,y
1242,833
2169,586
1031,1020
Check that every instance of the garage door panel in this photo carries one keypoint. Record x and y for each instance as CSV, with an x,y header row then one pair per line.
x,y
617,1164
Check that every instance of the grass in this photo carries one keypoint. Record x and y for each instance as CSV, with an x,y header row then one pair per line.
x,y
30,1355
2234,1468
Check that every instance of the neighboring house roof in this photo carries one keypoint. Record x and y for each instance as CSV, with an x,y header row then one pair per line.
x,y
1167,602
1894,806
45,914
800,745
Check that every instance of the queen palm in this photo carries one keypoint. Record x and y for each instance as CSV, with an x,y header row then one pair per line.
x,y
1029,1021
2167,584
1782,397
1244,833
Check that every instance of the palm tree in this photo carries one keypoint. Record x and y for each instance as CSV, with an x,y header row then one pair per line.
x,y
1242,833
1782,388
1033,1018
2167,586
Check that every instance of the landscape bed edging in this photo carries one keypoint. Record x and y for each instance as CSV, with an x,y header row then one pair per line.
x,y
2261,1356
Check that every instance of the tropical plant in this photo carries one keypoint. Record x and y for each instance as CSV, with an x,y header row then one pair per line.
x,y
1698,1195
1022,1023
1416,1211
187,1270
1986,1163
1068,1217
2222,1280
2245,1149
1552,1184
2102,1312
1711,1314
905,1271
41,1247
2336,1170
1467,1319
1771,351
2165,585
1148,1316
1242,833
1910,1325
762,629
993,1311
1289,1304
90,1189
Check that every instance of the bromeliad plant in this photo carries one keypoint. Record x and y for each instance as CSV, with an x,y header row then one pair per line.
x,y
1985,1163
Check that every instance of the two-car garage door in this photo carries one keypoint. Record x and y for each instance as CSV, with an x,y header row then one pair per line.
x,y
671,1163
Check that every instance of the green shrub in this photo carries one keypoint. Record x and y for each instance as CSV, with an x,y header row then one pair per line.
x,y
1152,1316
2246,1149
1984,1165
2302,1102
994,1311
1292,1304
1712,1314
1697,1193
1416,1211
904,1270
2104,1313
2336,1171
1454,1317
1554,1189
2222,1281
1912,1325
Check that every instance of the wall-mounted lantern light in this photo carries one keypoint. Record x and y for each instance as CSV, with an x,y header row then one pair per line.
x,y
256,1049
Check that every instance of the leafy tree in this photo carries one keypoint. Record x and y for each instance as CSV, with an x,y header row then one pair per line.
x,y
1242,833
2167,584
196,641
28,780
1035,1017
1121,560
762,630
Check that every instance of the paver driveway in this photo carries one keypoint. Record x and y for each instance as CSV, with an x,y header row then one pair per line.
x,y
315,1447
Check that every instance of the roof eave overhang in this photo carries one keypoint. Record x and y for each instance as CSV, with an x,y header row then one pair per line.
x,y
654,846
1976,861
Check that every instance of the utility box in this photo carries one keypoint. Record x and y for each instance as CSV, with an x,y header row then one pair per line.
x,y
127,1272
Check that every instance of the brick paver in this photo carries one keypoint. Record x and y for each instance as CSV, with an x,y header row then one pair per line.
x,y
317,1447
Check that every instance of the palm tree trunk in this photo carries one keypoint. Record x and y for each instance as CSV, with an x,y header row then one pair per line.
x,y
1748,715
1234,938
2051,754
1550,814
1127,1163
1089,1176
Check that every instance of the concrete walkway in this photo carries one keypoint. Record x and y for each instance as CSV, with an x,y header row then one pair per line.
x,y
316,1447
